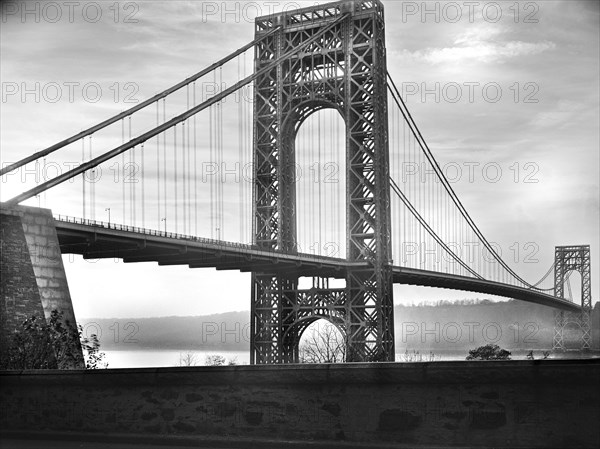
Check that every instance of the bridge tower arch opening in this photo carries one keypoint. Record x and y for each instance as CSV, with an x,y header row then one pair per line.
x,y
320,182
568,259
345,69
322,340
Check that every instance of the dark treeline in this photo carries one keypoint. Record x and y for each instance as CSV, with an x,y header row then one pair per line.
x,y
438,325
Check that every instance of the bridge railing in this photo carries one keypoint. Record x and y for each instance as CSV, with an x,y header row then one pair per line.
x,y
184,237
235,245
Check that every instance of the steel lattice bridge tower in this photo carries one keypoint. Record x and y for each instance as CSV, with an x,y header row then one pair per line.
x,y
344,70
331,56
568,259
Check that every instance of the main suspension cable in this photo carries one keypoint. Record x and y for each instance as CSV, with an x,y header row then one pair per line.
x,y
423,144
136,108
428,228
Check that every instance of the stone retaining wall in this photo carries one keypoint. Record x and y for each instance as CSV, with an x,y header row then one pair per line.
x,y
549,403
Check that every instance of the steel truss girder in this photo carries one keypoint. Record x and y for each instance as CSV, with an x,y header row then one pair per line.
x,y
345,69
566,259
281,313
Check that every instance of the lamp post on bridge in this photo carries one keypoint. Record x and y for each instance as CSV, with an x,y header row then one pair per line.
x,y
108,210
165,220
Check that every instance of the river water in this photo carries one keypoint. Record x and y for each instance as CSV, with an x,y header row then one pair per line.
x,y
170,358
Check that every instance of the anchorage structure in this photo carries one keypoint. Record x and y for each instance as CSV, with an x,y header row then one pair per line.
x,y
345,70
567,259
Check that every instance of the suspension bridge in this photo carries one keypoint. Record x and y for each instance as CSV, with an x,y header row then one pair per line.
x,y
293,157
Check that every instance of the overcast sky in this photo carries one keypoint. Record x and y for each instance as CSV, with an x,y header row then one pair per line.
x,y
527,78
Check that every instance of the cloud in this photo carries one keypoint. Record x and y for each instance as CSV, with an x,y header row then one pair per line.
x,y
479,51
482,44
561,114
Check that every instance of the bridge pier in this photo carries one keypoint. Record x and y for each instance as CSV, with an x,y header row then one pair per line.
x,y
33,280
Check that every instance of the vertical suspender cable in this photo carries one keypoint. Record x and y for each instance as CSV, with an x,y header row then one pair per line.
x,y
175,175
307,184
183,175
133,179
434,217
333,161
404,214
444,219
217,135
307,147
311,203
320,193
122,172
195,170
143,190
392,165
165,162
416,230
333,206
83,174
395,231
333,156
211,149
431,212
158,168
92,186
247,158
341,218
455,226
221,165
400,211
188,167
422,192
409,185
240,152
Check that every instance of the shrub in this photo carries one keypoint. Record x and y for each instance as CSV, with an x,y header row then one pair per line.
x,y
214,360
219,360
488,352
54,344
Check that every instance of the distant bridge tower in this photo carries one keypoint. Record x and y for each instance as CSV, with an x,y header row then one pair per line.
x,y
573,258
344,70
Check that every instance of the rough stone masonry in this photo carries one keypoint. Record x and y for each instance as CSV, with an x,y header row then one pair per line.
x,y
33,279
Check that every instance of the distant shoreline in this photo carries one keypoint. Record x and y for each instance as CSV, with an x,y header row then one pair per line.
x,y
441,326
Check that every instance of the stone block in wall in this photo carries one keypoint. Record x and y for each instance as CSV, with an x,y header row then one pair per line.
x,y
20,296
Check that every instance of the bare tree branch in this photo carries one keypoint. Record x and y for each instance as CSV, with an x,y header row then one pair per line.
x,y
323,344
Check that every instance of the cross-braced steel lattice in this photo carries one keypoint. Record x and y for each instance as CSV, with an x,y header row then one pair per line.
x,y
344,69
567,259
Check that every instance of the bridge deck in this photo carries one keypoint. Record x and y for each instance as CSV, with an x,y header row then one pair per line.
x,y
97,240
411,276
